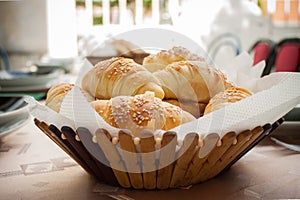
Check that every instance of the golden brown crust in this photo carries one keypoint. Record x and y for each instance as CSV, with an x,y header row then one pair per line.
x,y
57,93
175,116
193,81
120,76
139,112
227,97
165,57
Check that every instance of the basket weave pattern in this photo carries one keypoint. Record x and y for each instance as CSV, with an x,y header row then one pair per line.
x,y
187,169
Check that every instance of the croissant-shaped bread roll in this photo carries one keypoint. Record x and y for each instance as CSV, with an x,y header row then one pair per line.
x,y
120,76
229,96
163,58
56,94
193,81
139,112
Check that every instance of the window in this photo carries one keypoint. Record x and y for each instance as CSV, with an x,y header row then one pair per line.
x,y
103,12
282,12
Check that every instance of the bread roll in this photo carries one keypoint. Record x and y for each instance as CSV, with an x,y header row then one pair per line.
x,y
56,94
120,76
139,112
165,57
192,81
227,97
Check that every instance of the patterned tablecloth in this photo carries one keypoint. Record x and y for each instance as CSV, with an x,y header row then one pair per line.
x,y
33,167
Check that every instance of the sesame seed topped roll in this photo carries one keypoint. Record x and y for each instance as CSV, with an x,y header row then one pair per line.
x,y
160,60
193,81
227,97
120,76
139,112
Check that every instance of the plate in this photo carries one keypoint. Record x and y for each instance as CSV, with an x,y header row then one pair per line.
x,y
31,79
12,108
32,82
11,127
28,89
14,114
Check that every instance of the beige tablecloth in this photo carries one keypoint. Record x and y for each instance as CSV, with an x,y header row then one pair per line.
x,y
33,167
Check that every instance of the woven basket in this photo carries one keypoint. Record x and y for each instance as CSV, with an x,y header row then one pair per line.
x,y
186,170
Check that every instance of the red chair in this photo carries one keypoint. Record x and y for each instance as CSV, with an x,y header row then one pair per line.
x,y
283,56
288,56
262,50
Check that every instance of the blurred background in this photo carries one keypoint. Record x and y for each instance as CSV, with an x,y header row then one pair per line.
x,y
57,32
43,42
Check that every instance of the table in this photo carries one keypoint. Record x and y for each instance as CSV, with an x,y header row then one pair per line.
x,y
33,167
